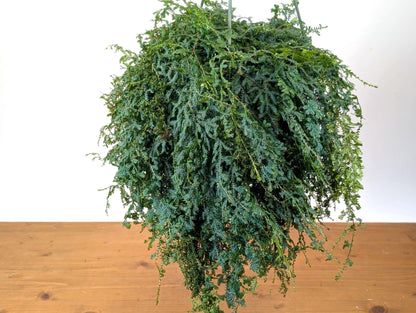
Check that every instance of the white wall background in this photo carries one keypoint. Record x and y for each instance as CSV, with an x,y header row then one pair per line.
x,y
54,66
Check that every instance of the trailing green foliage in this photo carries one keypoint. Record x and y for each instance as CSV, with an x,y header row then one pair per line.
x,y
231,155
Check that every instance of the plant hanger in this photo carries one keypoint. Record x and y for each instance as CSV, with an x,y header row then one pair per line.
x,y
230,10
230,16
295,2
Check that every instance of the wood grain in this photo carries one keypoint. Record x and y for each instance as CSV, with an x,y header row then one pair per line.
x,y
103,268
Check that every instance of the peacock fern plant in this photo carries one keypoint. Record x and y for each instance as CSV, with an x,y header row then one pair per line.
x,y
225,151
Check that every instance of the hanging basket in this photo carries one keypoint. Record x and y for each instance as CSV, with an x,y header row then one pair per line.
x,y
231,155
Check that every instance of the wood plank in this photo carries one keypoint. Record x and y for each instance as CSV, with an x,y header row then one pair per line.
x,y
103,267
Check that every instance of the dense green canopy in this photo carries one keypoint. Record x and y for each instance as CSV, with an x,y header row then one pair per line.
x,y
223,150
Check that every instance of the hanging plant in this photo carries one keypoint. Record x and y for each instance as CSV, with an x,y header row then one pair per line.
x,y
231,155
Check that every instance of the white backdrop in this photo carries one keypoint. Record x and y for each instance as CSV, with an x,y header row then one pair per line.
x,y
54,66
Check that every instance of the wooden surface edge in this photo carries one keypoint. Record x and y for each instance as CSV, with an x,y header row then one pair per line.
x,y
92,267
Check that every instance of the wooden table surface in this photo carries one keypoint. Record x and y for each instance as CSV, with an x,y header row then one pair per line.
x,y
103,268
